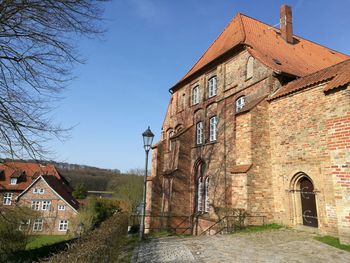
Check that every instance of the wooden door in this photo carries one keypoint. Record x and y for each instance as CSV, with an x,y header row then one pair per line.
x,y
308,203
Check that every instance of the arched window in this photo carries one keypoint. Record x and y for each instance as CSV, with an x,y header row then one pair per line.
x,y
195,95
170,145
240,102
200,189
212,87
250,68
200,194
212,128
206,195
199,132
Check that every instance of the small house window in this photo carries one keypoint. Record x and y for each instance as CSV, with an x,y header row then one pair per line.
x,y
38,225
13,181
212,87
46,205
240,102
212,128
199,133
7,198
195,95
61,207
24,225
63,225
250,68
35,205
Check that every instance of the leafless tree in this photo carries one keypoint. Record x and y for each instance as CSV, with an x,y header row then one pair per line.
x,y
37,53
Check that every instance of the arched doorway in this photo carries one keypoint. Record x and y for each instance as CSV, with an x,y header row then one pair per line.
x,y
308,203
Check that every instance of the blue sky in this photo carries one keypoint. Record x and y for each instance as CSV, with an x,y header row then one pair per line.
x,y
149,45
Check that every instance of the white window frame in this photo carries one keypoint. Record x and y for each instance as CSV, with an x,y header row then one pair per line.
x,y
7,198
13,181
240,102
35,190
38,225
199,132
45,205
212,128
212,86
206,195
63,225
200,195
195,95
61,207
35,205
41,191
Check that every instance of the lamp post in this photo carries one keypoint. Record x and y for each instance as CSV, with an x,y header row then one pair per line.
x,y
147,143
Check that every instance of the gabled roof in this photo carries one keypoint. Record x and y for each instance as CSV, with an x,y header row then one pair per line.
x,y
32,170
266,44
58,187
338,75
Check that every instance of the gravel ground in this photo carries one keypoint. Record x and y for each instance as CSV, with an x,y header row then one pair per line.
x,y
270,246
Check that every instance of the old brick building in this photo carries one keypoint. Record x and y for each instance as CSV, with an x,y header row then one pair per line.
x,y
41,188
261,122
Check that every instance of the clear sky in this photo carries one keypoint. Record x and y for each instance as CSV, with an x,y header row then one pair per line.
x,y
149,45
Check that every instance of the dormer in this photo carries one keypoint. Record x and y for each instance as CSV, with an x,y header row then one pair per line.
x,y
16,176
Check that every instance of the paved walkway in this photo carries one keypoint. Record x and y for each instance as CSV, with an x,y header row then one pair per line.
x,y
271,246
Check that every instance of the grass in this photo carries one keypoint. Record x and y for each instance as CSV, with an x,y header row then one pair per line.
x,y
333,241
40,241
253,229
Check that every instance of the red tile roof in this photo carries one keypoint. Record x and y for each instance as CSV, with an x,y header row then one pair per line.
x,y
31,170
61,188
338,75
266,44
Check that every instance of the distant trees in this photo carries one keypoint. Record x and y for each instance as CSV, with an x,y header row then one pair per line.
x,y
80,191
37,52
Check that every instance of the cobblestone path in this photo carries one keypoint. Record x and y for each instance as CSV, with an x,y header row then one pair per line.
x,y
272,246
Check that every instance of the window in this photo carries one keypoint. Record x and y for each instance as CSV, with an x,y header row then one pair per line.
x,y
195,95
250,68
171,134
199,133
206,195
63,225
24,225
13,181
38,225
41,191
46,205
38,191
7,198
199,194
212,128
35,205
35,191
240,102
61,207
212,87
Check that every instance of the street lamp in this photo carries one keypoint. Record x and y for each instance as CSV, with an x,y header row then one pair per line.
x,y
147,143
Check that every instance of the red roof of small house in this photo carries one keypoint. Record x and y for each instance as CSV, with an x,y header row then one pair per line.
x,y
265,43
25,173
337,75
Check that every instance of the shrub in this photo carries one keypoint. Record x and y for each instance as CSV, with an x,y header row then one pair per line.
x,y
104,244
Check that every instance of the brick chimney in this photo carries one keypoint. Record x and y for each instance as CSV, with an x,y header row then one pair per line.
x,y
286,23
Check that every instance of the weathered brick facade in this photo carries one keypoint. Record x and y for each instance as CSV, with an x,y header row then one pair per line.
x,y
263,150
